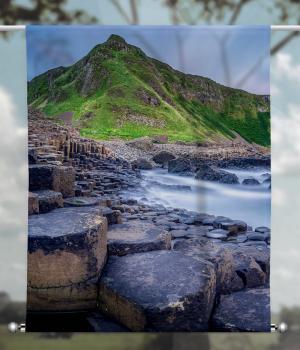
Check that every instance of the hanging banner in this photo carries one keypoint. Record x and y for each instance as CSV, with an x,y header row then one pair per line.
x,y
149,178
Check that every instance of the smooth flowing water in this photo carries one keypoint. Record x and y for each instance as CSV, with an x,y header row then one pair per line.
x,y
251,203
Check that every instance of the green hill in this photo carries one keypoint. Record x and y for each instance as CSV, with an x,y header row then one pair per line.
x,y
117,91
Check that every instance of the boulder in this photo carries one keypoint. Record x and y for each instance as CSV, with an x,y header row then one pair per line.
x,y
250,181
218,234
158,291
49,200
142,164
142,143
179,165
244,311
163,157
136,237
66,253
33,203
219,255
233,226
81,202
32,156
51,177
112,216
205,172
160,139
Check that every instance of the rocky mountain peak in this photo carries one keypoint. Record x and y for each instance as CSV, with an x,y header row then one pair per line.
x,y
117,42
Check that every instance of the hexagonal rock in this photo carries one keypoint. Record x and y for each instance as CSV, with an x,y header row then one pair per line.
x,y
81,202
219,255
247,310
137,237
158,291
49,200
50,177
233,226
33,203
66,253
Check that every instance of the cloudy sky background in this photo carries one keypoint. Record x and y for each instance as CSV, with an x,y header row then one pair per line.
x,y
285,85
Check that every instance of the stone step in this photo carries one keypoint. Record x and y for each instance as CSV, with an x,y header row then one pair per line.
x,y
244,311
66,253
158,291
81,202
51,177
136,237
49,200
33,203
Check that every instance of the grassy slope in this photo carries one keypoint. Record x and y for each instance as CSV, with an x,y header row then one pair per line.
x,y
132,71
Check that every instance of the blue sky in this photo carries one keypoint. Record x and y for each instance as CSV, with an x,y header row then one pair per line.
x,y
194,50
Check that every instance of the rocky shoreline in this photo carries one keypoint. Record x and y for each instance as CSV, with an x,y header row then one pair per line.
x,y
128,265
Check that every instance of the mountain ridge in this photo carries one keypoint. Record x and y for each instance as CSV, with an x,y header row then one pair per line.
x,y
116,90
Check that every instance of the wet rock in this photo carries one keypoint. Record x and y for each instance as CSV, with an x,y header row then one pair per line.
x,y
245,162
233,226
205,172
248,269
247,311
163,157
179,165
50,177
66,253
141,291
49,200
250,181
81,202
218,234
112,216
255,236
262,229
33,203
142,164
136,237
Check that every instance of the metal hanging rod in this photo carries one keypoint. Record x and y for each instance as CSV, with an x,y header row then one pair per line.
x,y
10,28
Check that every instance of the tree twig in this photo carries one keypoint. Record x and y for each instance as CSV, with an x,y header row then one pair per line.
x,y
134,12
283,42
121,11
237,11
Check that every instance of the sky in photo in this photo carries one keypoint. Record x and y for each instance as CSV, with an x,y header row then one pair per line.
x,y
195,50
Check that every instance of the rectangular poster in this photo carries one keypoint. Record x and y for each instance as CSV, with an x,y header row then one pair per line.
x,y
149,178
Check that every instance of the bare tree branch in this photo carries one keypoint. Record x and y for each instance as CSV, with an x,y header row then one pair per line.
x,y
121,11
237,11
135,18
283,42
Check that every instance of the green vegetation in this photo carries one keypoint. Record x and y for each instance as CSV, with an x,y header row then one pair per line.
x,y
116,91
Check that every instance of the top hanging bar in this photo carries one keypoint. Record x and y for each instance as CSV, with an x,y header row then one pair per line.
x,y
9,28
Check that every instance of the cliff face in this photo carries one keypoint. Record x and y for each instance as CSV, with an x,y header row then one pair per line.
x,y
117,91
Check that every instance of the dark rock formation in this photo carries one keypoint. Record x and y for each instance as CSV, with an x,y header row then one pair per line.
x,y
250,182
246,311
142,164
179,165
69,248
137,237
143,293
49,200
205,172
163,157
